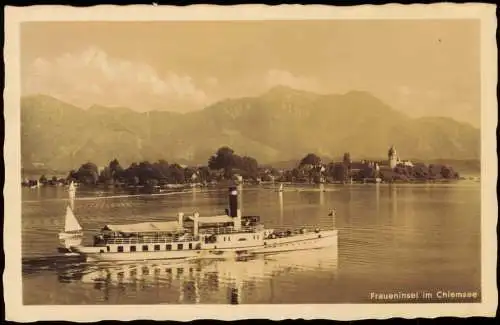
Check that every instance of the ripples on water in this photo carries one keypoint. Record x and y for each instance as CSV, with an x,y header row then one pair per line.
x,y
403,237
197,281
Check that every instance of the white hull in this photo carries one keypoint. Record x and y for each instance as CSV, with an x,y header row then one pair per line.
x,y
306,241
297,243
138,256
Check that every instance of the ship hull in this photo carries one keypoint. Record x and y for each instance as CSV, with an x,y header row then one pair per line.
x,y
301,242
306,241
92,256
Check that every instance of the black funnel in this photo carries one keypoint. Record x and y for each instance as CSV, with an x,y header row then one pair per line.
x,y
233,201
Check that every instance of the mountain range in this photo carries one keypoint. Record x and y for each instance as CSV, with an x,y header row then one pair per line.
x,y
281,124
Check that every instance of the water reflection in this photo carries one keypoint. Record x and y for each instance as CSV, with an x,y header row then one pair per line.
x,y
280,196
394,202
194,190
401,236
197,281
240,195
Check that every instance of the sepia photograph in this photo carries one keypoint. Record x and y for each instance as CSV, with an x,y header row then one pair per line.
x,y
304,156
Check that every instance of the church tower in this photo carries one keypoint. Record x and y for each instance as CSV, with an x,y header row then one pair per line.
x,y
393,157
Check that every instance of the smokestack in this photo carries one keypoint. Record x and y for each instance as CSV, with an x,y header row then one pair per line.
x,y
233,201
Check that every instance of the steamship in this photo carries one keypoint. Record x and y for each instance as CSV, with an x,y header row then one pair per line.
x,y
194,237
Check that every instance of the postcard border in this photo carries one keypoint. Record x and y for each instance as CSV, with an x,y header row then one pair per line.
x,y
16,311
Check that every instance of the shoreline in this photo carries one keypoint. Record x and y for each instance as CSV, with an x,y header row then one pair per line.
x,y
185,188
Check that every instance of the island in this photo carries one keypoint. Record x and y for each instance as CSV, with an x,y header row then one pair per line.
x,y
225,165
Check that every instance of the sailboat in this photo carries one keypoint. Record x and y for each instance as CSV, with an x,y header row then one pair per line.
x,y
72,191
72,228
281,188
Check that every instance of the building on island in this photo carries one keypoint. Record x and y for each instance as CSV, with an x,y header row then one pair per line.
x,y
393,157
367,170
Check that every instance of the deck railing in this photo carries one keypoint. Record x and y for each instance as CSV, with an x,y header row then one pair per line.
x,y
148,240
175,239
230,230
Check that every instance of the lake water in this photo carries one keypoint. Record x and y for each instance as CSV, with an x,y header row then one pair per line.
x,y
421,239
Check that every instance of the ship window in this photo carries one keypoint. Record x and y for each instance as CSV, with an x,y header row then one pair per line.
x,y
180,246
169,247
190,246
157,247
145,248
120,249
132,248
107,248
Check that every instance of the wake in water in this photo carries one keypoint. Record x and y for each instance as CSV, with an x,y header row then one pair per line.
x,y
124,196
77,264
121,196
73,269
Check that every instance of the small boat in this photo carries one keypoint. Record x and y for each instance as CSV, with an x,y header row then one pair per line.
x,y
72,228
281,188
225,236
36,184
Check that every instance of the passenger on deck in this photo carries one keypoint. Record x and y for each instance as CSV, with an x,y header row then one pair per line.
x,y
98,239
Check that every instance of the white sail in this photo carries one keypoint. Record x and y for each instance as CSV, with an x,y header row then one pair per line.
x,y
72,194
71,224
72,190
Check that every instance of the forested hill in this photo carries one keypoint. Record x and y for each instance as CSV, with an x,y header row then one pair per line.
x,y
282,124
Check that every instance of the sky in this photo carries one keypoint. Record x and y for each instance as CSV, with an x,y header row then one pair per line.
x,y
420,67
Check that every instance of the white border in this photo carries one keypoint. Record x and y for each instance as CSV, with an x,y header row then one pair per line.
x,y
12,275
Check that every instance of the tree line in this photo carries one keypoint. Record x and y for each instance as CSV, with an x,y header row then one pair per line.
x,y
311,169
226,164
